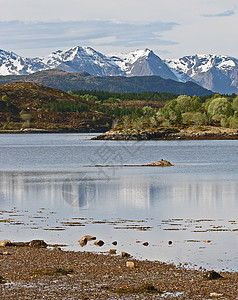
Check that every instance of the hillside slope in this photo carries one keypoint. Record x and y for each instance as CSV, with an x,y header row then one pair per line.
x,y
37,106
117,84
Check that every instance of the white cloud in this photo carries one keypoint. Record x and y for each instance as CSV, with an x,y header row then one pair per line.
x,y
226,13
29,35
120,25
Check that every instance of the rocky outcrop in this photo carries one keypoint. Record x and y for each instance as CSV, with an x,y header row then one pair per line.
x,y
160,163
141,136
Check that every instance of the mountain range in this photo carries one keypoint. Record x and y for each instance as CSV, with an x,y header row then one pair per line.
x,y
218,73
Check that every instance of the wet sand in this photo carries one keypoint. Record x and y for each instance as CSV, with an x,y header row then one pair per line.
x,y
50,273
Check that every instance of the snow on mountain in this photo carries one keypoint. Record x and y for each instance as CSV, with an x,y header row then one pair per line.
x,y
142,63
191,65
215,72
79,59
13,64
218,73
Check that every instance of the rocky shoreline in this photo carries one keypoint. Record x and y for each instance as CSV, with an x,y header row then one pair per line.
x,y
34,271
160,135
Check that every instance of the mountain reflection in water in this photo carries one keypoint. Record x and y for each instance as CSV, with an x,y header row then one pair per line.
x,y
84,190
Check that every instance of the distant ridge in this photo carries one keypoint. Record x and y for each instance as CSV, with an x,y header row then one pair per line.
x,y
83,81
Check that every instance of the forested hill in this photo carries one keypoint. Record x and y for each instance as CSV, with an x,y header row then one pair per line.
x,y
115,84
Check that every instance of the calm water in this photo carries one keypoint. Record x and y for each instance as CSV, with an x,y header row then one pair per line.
x,y
51,189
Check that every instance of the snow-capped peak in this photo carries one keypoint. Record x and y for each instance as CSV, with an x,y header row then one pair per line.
x,y
201,63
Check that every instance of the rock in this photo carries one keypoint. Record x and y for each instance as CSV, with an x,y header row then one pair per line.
x,y
145,244
160,163
112,251
21,244
130,264
2,280
114,243
90,237
124,254
5,243
211,275
214,294
99,243
37,244
83,241
170,242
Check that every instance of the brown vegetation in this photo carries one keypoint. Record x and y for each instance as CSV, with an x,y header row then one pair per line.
x,y
29,106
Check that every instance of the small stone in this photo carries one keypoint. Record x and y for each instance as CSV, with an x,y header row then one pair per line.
x,y
83,241
138,242
37,244
124,254
214,294
112,251
170,242
211,275
99,243
2,280
207,241
114,243
130,264
5,243
146,244
90,237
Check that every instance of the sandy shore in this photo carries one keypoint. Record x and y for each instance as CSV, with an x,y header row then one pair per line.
x,y
50,273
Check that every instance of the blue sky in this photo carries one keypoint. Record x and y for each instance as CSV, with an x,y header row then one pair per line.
x,y
171,28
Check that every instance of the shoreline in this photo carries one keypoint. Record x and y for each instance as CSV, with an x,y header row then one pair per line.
x,y
36,272
162,135
167,135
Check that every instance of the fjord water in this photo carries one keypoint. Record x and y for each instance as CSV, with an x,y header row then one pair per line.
x,y
59,187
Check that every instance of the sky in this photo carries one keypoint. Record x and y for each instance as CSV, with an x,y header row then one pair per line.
x,y
171,28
